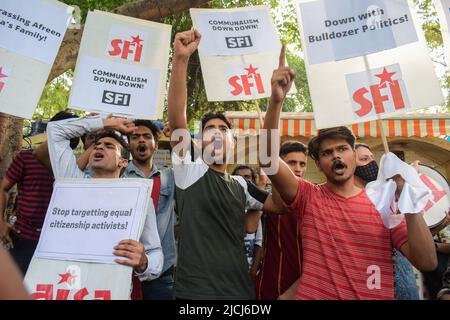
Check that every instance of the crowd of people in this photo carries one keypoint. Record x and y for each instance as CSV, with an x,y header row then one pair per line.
x,y
239,236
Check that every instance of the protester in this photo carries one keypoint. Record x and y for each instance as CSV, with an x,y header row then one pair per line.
x,y
281,267
143,142
35,185
211,203
107,160
444,293
405,284
347,251
254,240
11,287
436,282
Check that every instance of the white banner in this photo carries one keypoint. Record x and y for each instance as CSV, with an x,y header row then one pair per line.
x,y
30,35
85,219
443,11
238,58
122,66
337,30
236,32
88,217
367,87
33,29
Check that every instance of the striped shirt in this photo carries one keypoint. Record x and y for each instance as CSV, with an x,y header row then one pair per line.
x,y
34,186
347,251
282,260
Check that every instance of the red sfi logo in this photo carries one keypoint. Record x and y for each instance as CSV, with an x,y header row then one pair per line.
x,y
127,49
246,83
382,92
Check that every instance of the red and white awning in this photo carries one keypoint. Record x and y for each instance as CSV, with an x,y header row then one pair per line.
x,y
302,124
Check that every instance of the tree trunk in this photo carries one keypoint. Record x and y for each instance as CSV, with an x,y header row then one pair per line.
x,y
11,127
10,139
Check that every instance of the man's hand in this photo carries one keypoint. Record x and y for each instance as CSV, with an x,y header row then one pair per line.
x,y
282,79
124,126
166,129
186,43
400,182
5,229
135,253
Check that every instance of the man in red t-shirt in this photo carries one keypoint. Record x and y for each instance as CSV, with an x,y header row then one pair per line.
x,y
280,271
346,247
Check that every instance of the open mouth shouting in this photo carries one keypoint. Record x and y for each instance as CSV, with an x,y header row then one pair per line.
x,y
142,150
339,167
98,156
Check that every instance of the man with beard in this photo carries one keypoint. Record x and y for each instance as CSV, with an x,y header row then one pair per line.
x,y
107,160
405,287
281,268
347,251
143,142
212,204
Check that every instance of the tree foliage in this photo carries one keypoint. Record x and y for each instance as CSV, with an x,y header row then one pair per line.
x,y
86,5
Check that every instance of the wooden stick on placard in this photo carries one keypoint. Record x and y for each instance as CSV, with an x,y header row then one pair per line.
x,y
379,121
383,136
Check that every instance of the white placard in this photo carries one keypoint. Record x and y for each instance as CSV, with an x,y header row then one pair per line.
x,y
372,86
86,218
237,74
443,11
337,30
122,66
30,35
118,88
33,29
236,32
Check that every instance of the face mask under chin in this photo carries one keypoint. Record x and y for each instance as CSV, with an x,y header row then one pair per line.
x,y
368,172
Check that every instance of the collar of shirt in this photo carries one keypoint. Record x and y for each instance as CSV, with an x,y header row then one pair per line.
x,y
133,170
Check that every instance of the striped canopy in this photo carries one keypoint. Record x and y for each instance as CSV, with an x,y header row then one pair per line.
x,y
302,124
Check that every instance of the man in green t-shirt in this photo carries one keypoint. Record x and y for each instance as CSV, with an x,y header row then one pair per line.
x,y
212,261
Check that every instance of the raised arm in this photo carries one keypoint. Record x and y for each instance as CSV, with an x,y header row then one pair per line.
x,y
282,177
184,46
59,133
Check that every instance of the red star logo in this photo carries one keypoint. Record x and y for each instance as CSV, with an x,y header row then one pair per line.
x,y
2,75
251,70
136,40
66,277
385,76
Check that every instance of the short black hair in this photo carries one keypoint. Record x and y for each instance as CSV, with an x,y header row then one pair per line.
x,y
330,133
215,115
245,167
363,145
66,115
149,124
292,146
125,152
63,115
